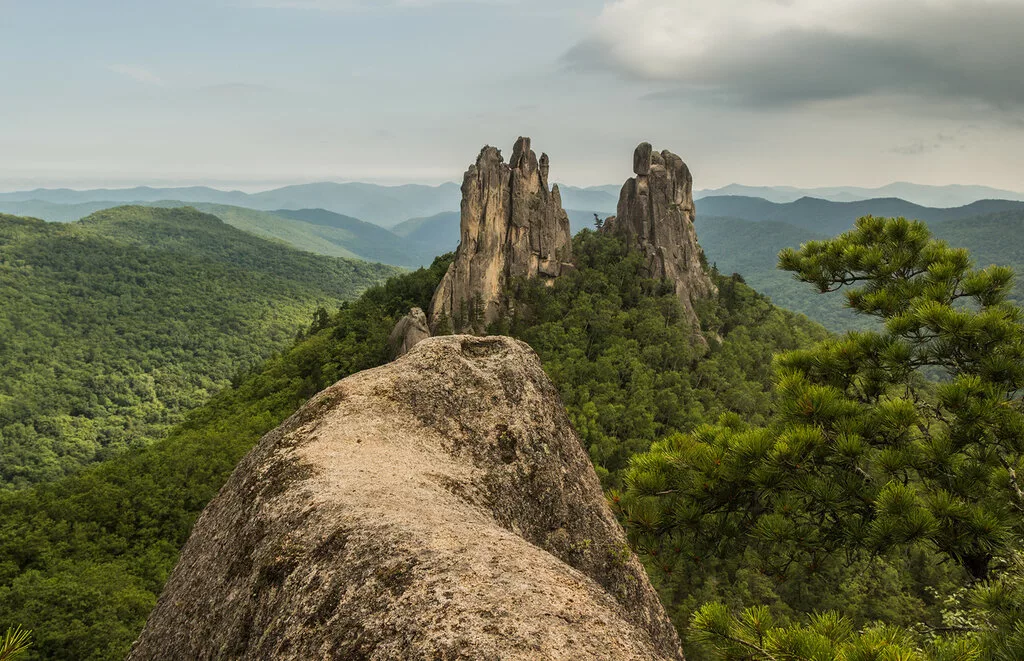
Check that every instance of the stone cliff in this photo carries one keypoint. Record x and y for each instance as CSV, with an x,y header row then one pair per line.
x,y
438,507
512,226
655,213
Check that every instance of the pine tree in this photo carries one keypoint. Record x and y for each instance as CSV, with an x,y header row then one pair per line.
x,y
906,437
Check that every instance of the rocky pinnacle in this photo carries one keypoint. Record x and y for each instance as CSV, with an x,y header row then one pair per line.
x,y
655,214
512,226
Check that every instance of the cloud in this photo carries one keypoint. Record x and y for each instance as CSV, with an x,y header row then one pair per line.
x,y
138,74
790,52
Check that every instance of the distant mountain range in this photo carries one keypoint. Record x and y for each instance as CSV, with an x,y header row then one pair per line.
x,y
382,205
739,233
833,217
388,206
930,196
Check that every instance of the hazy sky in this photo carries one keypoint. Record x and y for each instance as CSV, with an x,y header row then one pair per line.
x,y
257,93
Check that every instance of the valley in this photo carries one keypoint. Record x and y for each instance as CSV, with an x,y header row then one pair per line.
x,y
141,422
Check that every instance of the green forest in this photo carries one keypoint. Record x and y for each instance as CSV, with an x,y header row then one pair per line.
x,y
793,494
878,514
113,327
85,556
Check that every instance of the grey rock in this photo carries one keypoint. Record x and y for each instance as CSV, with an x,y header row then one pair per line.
x,y
655,214
512,226
438,507
642,159
408,332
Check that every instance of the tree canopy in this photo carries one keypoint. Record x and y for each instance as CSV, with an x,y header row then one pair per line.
x,y
892,458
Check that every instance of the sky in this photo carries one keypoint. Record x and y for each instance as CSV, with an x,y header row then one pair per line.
x,y
253,94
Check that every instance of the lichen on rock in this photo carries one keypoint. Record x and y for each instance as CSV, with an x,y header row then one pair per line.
x,y
438,507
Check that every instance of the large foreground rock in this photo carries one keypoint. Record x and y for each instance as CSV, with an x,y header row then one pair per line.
x,y
439,507
512,226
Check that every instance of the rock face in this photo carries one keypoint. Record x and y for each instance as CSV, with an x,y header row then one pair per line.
x,y
438,507
511,226
408,332
656,214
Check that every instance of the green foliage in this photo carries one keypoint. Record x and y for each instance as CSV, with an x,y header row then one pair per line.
x,y
628,367
83,558
112,328
14,642
753,635
868,468
615,343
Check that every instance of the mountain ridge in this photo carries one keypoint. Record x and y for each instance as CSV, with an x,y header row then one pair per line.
x,y
390,205
114,327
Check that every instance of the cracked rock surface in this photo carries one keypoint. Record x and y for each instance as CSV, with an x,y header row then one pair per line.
x,y
438,507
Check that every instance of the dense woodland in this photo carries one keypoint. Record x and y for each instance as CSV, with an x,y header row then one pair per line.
x,y
854,498
113,327
86,556
878,514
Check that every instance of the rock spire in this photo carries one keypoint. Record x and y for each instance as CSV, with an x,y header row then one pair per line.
x,y
656,214
512,226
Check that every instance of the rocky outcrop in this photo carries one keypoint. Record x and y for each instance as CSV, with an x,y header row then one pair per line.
x,y
656,214
512,226
408,332
438,507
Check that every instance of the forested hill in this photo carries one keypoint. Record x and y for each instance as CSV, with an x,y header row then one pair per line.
x,y
752,247
113,327
90,553
832,218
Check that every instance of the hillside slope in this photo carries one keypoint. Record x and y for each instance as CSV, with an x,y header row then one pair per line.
x,y
751,248
114,327
269,225
830,218
613,342
371,242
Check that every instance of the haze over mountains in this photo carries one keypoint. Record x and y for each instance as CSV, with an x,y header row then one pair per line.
x,y
388,206
408,226
954,195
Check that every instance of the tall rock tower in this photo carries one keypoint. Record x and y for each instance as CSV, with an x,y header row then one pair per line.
x,y
512,226
656,214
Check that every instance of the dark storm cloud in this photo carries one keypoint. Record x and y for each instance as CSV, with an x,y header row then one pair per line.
x,y
958,50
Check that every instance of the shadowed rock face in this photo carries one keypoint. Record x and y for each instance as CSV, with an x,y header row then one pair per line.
x,y
408,332
439,507
512,226
656,214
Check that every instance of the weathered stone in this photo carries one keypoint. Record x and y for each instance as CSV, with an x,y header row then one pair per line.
x,y
656,214
642,159
512,226
408,332
438,507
